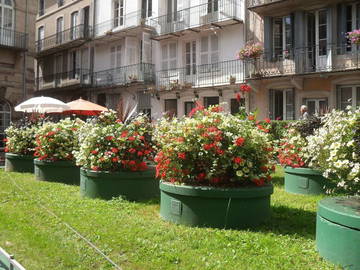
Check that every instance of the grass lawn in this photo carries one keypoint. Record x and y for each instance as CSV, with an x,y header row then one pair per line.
x,y
133,235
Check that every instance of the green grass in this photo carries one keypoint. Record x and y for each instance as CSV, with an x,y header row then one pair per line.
x,y
133,235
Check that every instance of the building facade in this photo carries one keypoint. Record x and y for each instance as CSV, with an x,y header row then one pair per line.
x,y
308,58
158,55
17,27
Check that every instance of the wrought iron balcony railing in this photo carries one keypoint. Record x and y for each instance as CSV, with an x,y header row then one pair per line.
x,y
255,3
124,75
216,74
216,12
325,58
64,79
63,38
120,23
12,39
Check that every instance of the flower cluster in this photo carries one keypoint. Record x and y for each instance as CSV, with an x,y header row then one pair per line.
x,y
354,36
333,148
110,145
212,148
20,140
251,51
57,141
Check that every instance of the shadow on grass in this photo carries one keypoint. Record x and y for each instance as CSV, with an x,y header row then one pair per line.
x,y
290,221
278,181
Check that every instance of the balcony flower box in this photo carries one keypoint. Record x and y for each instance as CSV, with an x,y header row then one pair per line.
x,y
232,80
54,151
209,180
113,157
354,36
251,51
338,231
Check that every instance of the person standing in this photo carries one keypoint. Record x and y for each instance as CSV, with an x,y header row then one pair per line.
x,y
304,115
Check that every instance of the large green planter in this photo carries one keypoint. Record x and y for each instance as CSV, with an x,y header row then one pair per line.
x,y
19,163
57,171
304,181
134,186
215,207
338,231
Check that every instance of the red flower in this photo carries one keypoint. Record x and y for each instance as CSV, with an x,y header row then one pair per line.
x,y
245,88
124,134
215,180
131,138
264,169
238,97
180,139
182,156
94,152
251,117
220,151
115,159
132,163
142,138
6,149
114,150
139,153
240,141
5,140
237,160
95,168
201,176
208,147
217,109
109,138
132,150
267,120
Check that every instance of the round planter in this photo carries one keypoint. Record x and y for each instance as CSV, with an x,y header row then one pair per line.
x,y
58,171
338,231
215,207
19,163
134,186
304,181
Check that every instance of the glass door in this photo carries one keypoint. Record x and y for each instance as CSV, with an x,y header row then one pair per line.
x,y
74,22
190,61
323,55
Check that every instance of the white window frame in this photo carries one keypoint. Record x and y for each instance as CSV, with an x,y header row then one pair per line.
x,y
74,22
210,65
3,113
118,13
354,96
59,32
41,37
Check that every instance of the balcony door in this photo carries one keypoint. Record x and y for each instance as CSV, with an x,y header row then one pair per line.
x,y
74,31
58,69
119,13
190,61
6,23
282,104
323,47
209,60
59,30
117,74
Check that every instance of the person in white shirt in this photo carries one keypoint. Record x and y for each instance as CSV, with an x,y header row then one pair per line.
x,y
304,115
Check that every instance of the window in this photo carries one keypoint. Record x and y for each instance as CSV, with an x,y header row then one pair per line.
x,y
118,13
213,6
316,106
146,8
282,104
171,107
115,56
6,23
322,29
190,57
60,3
41,7
5,116
58,68
59,29
282,37
209,53
169,56
74,31
74,64
235,105
41,36
189,106
144,103
348,96
210,101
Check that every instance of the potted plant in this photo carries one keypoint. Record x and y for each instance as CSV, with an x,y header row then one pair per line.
x,y
114,155
302,174
20,145
214,170
232,79
174,85
55,143
133,78
354,36
251,51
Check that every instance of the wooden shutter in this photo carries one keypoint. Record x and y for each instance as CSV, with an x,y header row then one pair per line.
x,y
172,56
214,45
146,48
290,104
268,37
204,51
341,28
164,57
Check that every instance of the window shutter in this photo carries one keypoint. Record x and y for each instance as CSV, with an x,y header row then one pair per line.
x,y
271,104
164,57
118,56
146,49
112,57
341,28
268,37
214,49
172,56
290,104
204,51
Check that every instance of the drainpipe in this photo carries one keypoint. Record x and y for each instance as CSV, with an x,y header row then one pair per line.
x,y
25,52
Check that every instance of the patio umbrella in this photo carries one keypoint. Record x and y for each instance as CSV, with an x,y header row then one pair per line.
x,y
42,105
84,107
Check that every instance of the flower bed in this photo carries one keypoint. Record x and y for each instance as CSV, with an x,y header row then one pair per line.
x,y
219,153
20,145
56,143
114,158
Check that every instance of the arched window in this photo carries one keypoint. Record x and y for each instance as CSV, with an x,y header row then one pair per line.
x,y
6,22
5,116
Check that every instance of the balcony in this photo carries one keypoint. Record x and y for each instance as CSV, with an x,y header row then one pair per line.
x,y
70,79
214,14
11,39
196,76
308,60
66,39
284,7
126,75
120,26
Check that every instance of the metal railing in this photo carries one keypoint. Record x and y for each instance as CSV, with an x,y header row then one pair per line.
x,y
126,21
255,3
7,261
211,12
326,58
124,75
208,75
69,78
74,33
12,39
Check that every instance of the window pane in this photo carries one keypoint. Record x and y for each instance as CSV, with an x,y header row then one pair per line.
x,y
209,101
345,96
278,36
189,105
171,107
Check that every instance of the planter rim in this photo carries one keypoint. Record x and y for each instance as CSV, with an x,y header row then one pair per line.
x,y
60,163
18,156
289,169
341,210
215,192
110,174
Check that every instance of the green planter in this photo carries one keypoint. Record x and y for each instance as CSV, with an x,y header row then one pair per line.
x,y
58,171
19,163
338,231
134,186
215,207
304,181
